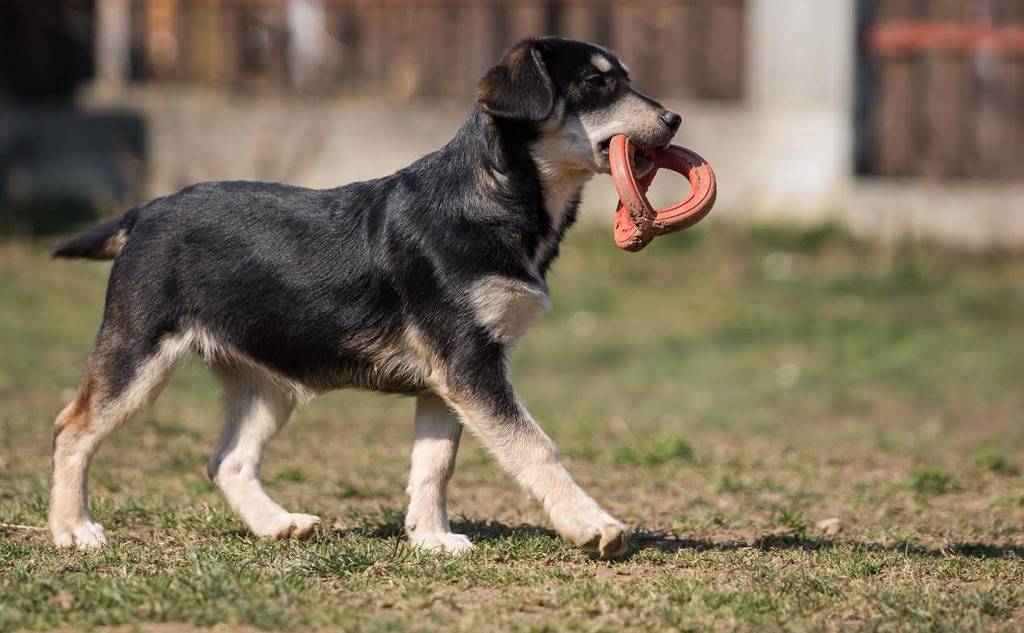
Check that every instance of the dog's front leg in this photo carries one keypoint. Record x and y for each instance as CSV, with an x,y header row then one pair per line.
x,y
433,459
488,405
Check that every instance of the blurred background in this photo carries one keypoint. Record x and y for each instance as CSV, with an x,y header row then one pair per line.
x,y
894,117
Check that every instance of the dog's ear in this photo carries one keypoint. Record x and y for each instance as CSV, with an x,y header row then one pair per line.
x,y
519,87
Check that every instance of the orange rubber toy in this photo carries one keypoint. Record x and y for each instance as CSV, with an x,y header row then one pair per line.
x,y
636,222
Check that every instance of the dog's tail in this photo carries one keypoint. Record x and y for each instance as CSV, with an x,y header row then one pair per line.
x,y
103,241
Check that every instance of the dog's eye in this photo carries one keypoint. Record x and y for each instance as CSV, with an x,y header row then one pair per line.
x,y
598,81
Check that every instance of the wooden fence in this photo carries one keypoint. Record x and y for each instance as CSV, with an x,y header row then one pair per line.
x,y
943,95
431,48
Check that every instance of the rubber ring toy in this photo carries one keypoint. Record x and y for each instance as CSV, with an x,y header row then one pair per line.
x,y
636,222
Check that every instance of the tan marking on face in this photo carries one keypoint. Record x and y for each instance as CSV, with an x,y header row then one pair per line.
x,y
567,154
601,63
507,307
631,115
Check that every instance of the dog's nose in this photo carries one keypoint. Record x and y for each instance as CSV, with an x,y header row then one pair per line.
x,y
671,120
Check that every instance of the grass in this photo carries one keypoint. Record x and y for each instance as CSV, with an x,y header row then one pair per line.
x,y
723,391
930,482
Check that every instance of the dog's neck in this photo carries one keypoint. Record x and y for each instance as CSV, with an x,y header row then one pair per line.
x,y
561,177
561,190
535,153
562,185
511,159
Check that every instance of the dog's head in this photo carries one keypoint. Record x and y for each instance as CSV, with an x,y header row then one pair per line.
x,y
577,96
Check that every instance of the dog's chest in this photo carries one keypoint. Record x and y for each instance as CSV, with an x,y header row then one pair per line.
x,y
506,307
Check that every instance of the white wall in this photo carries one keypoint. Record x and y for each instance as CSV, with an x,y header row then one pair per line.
x,y
800,67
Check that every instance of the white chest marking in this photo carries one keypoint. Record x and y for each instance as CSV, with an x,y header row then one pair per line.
x,y
506,307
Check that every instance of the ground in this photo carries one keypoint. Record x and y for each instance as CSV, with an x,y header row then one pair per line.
x,y
723,391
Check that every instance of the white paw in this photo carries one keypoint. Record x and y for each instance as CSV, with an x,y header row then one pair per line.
x,y
441,542
593,530
608,538
288,525
85,535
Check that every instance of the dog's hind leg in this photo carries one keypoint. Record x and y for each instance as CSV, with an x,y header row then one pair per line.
x,y
255,409
121,378
433,459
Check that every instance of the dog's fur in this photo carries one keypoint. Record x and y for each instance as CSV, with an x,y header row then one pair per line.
x,y
416,283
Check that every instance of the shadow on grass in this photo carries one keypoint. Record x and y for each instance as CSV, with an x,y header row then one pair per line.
x,y
484,531
797,541
495,531
479,531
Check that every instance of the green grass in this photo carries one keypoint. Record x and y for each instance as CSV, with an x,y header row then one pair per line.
x,y
723,391
930,482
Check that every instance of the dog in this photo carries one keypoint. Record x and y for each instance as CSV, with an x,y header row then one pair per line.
x,y
416,283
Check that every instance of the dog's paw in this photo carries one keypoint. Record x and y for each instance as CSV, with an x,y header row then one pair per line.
x,y
289,526
608,539
593,530
441,542
85,535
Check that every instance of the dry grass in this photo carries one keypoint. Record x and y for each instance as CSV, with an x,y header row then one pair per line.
x,y
723,391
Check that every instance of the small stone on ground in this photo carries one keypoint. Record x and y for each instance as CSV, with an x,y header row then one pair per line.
x,y
831,527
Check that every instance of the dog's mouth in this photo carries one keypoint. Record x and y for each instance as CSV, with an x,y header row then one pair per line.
x,y
643,156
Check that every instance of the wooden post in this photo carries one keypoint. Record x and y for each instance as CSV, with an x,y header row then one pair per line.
x,y
113,41
891,112
307,44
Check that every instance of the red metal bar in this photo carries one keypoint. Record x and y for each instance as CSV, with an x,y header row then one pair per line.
x,y
915,37
414,3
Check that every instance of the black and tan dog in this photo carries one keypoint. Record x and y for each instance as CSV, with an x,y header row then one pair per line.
x,y
416,283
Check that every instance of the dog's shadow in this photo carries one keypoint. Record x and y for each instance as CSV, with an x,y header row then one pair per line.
x,y
490,531
672,544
